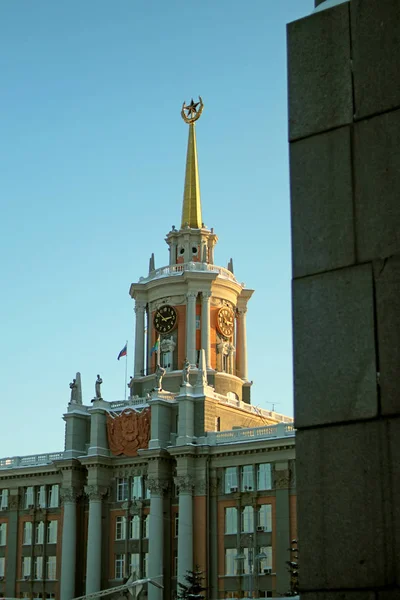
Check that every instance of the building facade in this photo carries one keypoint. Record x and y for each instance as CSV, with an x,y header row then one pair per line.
x,y
184,472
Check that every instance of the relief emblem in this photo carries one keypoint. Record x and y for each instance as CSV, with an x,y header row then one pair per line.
x,y
129,431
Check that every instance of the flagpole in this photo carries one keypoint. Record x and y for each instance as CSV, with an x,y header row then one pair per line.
x,y
126,368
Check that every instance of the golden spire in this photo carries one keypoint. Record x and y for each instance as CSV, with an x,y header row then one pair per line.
x,y
191,208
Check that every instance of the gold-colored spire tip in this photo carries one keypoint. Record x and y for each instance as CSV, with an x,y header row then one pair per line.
x,y
190,113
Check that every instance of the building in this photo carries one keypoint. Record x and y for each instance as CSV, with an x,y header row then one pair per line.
x,y
184,472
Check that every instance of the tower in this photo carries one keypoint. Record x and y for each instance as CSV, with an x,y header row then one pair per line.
x,y
191,304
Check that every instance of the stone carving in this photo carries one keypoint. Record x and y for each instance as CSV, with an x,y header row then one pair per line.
x,y
157,486
76,390
223,347
281,479
191,296
129,431
184,483
95,492
97,385
185,372
13,502
130,386
160,372
139,306
69,494
168,344
201,487
201,379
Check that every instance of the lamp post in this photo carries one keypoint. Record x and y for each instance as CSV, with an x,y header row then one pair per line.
x,y
251,561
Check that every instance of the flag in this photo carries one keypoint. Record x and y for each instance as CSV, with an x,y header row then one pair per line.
x,y
155,347
123,352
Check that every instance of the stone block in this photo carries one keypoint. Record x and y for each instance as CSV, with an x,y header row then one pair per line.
x,y
319,72
377,181
394,469
322,203
345,529
376,47
334,347
387,286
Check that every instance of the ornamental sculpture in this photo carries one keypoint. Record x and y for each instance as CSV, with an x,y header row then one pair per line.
x,y
129,431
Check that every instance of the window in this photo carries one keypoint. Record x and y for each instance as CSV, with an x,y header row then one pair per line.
x,y
217,423
264,476
3,499
146,565
265,563
119,566
176,526
120,528
27,533
28,497
52,532
197,322
39,533
135,564
231,479
175,570
51,567
146,490
146,523
54,496
231,561
38,567
265,517
247,478
2,566
134,533
122,489
3,534
137,489
231,520
26,566
41,497
248,519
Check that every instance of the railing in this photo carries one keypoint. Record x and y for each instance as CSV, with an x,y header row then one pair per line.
x,y
255,410
126,403
245,435
30,461
171,270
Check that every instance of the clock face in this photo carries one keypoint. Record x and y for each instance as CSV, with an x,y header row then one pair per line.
x,y
165,319
225,321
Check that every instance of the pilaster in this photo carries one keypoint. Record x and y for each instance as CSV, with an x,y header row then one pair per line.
x,y
98,429
140,307
185,485
205,326
191,327
12,541
94,547
241,343
282,524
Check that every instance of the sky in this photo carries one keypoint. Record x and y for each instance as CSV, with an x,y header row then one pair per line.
x,y
92,161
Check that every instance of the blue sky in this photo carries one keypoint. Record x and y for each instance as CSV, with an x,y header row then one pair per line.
x,y
92,159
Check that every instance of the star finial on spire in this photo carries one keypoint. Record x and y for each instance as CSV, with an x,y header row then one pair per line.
x,y
190,113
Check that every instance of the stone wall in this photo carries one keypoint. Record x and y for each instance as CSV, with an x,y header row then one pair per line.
x,y
344,130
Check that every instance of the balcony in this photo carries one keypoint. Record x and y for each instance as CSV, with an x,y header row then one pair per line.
x,y
176,270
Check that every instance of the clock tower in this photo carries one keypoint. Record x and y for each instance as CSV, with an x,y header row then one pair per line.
x,y
191,304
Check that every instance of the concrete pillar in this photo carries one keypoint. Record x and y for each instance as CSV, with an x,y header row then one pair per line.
x,y
139,338
205,327
93,559
68,553
156,535
185,532
98,429
186,420
191,327
241,343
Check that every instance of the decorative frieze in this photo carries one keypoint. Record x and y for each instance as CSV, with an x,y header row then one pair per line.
x,y
282,479
184,483
69,494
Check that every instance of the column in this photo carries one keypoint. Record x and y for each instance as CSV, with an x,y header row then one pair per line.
x,y
139,338
205,327
191,327
282,523
149,339
241,343
68,556
157,488
93,560
185,531
12,545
